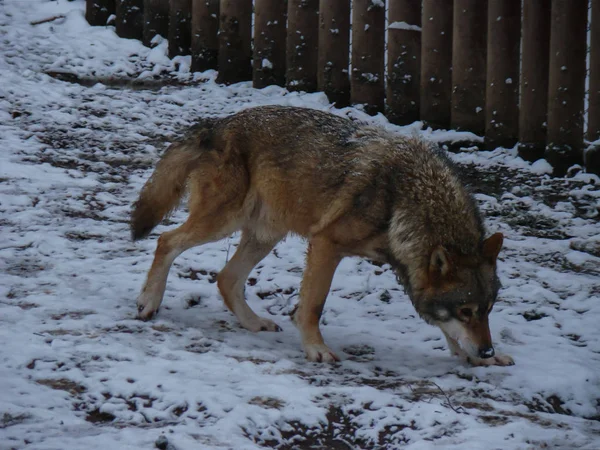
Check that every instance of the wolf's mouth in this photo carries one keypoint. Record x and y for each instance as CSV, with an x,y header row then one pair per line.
x,y
456,331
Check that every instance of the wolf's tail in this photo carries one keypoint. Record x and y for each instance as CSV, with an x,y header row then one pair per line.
x,y
163,191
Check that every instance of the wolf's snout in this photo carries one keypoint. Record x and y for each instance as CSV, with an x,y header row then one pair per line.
x,y
485,353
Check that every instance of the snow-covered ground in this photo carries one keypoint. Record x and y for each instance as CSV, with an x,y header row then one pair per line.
x,y
78,371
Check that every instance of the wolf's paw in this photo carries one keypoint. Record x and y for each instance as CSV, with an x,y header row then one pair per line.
x,y
503,360
320,353
498,360
145,313
147,308
260,324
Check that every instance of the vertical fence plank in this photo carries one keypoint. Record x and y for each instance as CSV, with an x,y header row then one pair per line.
x,y
593,130
334,35
97,12
269,43
592,155
533,111
469,43
436,62
156,20
302,45
502,80
130,18
368,49
180,30
205,38
235,41
404,61
566,84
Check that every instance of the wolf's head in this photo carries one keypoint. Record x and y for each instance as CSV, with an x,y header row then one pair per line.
x,y
457,293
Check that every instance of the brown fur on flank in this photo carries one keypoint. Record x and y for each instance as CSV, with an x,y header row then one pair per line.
x,y
350,190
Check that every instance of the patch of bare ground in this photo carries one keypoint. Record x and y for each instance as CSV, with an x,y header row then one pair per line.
x,y
8,420
83,236
267,402
97,416
338,433
63,384
121,82
25,267
201,274
75,315
496,181
62,332
496,416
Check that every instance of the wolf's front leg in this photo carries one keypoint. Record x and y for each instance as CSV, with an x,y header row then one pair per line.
x,y
497,360
321,261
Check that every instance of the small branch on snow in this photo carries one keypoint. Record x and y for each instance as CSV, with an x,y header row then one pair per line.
x,y
145,417
49,19
459,410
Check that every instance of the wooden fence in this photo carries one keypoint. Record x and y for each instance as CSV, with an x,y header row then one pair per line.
x,y
512,71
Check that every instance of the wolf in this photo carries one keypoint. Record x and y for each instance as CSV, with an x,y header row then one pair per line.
x,y
349,189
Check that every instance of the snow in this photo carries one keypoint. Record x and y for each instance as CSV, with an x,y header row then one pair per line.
x,y
541,166
79,371
403,26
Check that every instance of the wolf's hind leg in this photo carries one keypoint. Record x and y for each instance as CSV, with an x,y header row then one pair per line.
x,y
232,278
170,245
321,262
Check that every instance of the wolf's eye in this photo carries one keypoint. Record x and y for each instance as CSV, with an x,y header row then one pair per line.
x,y
466,312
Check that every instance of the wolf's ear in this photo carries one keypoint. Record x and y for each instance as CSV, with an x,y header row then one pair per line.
x,y
439,263
492,246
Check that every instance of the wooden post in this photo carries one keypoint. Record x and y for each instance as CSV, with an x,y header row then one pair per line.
x,y
156,20
593,130
502,80
404,61
205,34
592,160
469,43
368,48
592,155
334,35
566,84
269,43
97,12
180,28
130,18
235,38
533,111
436,62
302,45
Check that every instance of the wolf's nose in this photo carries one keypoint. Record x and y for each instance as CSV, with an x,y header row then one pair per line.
x,y
485,353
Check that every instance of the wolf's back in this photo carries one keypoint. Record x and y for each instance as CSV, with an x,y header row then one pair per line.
x,y
163,191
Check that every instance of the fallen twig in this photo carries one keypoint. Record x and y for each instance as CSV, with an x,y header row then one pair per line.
x,y
459,410
49,19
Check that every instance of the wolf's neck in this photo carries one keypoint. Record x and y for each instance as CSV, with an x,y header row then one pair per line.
x,y
412,238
